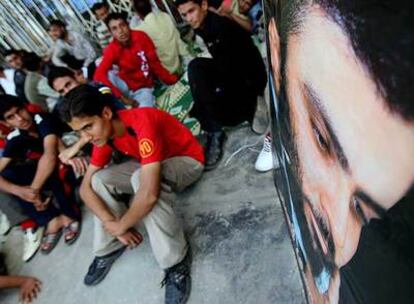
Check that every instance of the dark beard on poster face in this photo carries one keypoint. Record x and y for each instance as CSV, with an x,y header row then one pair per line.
x,y
317,260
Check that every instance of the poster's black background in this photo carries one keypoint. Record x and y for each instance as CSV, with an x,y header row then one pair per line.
x,y
382,269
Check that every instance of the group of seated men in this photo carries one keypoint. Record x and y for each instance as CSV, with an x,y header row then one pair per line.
x,y
113,110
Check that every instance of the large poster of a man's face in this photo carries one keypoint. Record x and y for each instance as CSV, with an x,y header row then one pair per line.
x,y
343,122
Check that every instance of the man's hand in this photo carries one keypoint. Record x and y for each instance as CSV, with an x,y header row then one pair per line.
x,y
42,205
33,196
114,227
27,194
66,155
2,135
129,101
131,238
79,165
223,10
29,290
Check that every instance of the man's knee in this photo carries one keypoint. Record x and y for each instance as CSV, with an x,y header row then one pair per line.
x,y
135,180
99,179
198,67
193,66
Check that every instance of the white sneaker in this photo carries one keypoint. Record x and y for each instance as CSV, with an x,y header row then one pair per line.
x,y
4,224
264,161
32,241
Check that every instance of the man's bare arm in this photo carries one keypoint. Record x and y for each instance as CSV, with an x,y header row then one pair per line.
x,y
66,153
47,161
5,185
130,237
29,286
146,197
91,199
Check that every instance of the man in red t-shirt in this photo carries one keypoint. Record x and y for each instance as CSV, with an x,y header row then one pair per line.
x,y
134,53
167,158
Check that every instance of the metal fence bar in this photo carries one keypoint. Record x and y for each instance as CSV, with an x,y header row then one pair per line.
x,y
47,7
39,11
35,37
36,27
82,24
23,23
12,23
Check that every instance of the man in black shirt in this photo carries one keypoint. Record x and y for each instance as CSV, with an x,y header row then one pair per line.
x,y
29,170
63,80
225,87
15,60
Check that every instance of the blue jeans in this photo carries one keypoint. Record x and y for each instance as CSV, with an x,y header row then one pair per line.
x,y
144,95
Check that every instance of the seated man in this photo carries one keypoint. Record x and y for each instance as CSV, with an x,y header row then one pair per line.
x,y
29,171
71,46
35,87
134,53
236,10
225,87
63,80
255,14
7,81
14,59
162,31
167,158
101,10
12,213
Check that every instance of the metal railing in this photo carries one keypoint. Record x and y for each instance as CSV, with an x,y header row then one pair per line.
x,y
24,23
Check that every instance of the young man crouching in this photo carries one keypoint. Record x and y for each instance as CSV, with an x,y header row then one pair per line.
x,y
166,157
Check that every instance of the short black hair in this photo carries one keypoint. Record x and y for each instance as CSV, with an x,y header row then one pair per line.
x,y
84,101
99,5
31,62
179,2
142,7
71,61
388,56
12,52
116,16
57,72
57,22
8,102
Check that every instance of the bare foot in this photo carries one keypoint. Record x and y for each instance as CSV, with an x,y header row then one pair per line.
x,y
54,225
66,221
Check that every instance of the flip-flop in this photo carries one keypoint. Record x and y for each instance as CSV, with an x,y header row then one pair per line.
x,y
51,239
72,232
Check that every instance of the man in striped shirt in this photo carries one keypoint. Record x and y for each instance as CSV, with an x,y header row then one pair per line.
x,y
101,11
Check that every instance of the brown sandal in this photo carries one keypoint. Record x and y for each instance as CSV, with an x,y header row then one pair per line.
x,y
50,241
71,232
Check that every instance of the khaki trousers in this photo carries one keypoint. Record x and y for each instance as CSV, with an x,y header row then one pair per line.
x,y
164,230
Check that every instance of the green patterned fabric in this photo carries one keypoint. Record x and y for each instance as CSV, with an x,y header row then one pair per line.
x,y
178,101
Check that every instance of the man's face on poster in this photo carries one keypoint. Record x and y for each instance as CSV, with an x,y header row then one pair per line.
x,y
354,157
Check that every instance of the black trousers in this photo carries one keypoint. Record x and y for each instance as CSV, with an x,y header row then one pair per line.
x,y
23,175
220,98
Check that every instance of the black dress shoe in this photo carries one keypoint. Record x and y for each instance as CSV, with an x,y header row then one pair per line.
x,y
214,149
100,267
177,282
